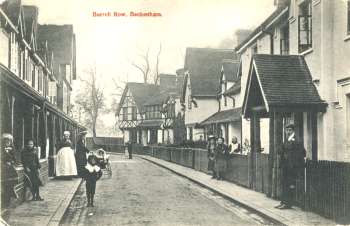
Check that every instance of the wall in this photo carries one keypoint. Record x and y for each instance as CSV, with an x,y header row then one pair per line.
x,y
4,46
341,51
205,108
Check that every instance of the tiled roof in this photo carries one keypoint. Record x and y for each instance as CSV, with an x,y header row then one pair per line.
x,y
224,116
204,66
12,8
236,88
230,68
285,81
30,17
60,40
157,99
141,92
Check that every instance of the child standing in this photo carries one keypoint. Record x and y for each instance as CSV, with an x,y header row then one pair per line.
x,y
92,173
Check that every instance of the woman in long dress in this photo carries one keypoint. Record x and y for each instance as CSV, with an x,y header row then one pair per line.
x,y
211,155
66,166
81,153
221,158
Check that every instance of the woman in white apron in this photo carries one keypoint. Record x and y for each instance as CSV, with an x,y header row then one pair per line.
x,y
66,166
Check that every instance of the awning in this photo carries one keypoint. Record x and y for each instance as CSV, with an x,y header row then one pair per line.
x,y
281,83
156,123
224,117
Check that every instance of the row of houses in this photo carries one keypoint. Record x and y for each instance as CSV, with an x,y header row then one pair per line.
x,y
292,68
37,66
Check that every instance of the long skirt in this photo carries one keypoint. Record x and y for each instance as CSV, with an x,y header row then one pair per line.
x,y
220,164
66,165
81,161
211,164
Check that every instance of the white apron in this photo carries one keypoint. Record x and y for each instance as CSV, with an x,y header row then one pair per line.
x,y
66,165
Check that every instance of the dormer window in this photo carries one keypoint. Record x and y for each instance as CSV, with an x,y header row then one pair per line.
x,y
305,26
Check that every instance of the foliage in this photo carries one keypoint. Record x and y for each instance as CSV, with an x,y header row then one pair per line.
x,y
91,99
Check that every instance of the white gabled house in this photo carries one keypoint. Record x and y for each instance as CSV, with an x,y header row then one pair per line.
x,y
201,87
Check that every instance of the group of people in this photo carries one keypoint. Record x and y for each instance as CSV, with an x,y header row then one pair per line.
x,y
83,163
218,153
69,163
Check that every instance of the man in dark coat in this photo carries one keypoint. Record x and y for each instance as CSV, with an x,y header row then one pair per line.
x,y
292,165
81,153
31,166
130,149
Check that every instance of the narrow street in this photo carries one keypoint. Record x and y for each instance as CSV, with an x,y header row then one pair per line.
x,y
141,193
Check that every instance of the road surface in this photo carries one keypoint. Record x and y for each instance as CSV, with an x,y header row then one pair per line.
x,y
141,193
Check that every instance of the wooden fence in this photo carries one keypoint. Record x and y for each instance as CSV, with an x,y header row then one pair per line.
x,y
324,188
327,190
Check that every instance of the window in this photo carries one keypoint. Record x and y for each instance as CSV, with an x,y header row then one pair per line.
x,y
33,76
40,80
190,133
348,16
189,102
125,113
225,97
284,42
233,102
305,26
134,113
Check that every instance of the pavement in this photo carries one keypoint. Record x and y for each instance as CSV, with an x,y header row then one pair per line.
x,y
57,196
245,197
142,193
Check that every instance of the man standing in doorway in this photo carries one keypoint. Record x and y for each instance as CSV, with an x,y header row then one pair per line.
x,y
292,165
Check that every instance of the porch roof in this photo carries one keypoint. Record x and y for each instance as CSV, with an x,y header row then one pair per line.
x,y
224,116
282,83
151,123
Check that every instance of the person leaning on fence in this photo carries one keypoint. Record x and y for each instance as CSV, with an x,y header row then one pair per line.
x,y
221,153
31,165
211,154
92,172
235,146
292,164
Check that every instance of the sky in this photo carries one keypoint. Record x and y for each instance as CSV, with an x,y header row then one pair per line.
x,y
112,43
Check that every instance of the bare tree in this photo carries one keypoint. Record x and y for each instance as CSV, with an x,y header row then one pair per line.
x,y
156,76
145,66
91,98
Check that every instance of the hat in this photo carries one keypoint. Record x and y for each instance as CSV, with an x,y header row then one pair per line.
x,y
66,133
210,137
290,125
83,132
7,136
